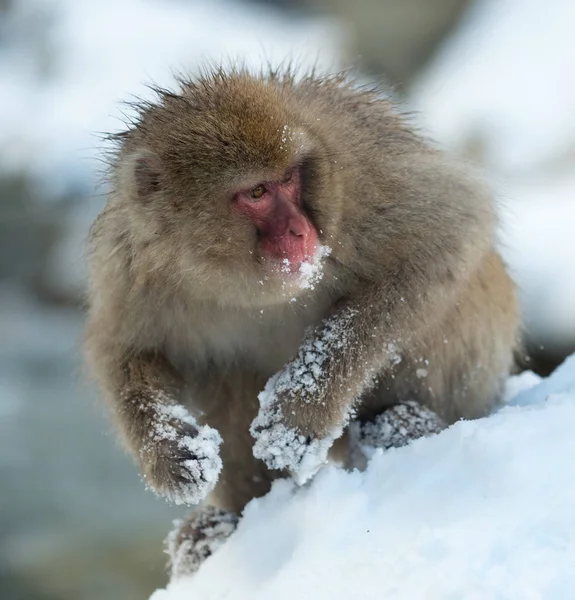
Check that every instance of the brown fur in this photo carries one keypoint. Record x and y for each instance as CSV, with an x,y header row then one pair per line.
x,y
176,297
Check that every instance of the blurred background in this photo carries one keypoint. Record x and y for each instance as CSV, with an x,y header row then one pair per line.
x,y
493,79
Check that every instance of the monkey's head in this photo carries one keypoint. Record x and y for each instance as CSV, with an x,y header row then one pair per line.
x,y
231,172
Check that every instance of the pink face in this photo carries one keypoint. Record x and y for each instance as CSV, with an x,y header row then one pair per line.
x,y
285,231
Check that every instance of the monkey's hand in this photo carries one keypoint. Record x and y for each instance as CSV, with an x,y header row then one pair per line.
x,y
284,437
305,407
180,460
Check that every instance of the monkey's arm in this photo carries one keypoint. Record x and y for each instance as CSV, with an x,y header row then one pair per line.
x,y
429,247
178,459
305,407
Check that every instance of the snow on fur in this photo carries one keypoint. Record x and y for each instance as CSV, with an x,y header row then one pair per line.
x,y
312,272
482,510
203,464
194,540
282,447
396,427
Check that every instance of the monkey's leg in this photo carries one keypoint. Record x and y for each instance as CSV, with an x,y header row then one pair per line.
x,y
458,368
227,401
455,371
197,537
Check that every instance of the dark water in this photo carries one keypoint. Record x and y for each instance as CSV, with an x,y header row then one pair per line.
x,y
75,520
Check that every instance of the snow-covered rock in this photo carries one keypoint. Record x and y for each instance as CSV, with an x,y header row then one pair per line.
x,y
483,510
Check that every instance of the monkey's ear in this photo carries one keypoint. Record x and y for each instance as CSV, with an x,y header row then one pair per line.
x,y
147,173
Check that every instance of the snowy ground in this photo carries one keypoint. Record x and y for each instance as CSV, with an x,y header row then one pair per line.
x,y
483,510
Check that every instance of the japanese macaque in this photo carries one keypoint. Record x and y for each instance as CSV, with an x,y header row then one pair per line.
x,y
280,257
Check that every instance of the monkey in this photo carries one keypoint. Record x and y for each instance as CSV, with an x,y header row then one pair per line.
x,y
284,260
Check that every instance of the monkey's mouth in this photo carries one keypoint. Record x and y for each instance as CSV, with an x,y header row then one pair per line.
x,y
286,254
304,273
291,268
289,264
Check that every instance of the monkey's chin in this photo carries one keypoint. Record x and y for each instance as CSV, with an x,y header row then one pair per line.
x,y
290,263
286,269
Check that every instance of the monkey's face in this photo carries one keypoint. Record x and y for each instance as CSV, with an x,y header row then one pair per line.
x,y
236,179
285,234
252,238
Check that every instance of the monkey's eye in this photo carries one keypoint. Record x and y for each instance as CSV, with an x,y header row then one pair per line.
x,y
258,192
288,175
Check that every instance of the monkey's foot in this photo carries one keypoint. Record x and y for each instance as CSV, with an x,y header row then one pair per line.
x,y
282,447
181,461
397,426
194,539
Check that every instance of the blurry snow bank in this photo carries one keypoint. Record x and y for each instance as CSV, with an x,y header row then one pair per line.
x,y
101,52
540,247
504,88
483,510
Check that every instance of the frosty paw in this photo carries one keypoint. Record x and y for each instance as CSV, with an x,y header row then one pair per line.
x,y
181,461
282,447
395,427
195,539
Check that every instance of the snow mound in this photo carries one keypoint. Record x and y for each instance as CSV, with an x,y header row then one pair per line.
x,y
482,510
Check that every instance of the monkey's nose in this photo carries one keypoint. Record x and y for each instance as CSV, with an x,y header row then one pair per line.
x,y
298,226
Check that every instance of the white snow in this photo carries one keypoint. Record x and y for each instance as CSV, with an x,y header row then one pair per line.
x,y
484,510
503,89
311,272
